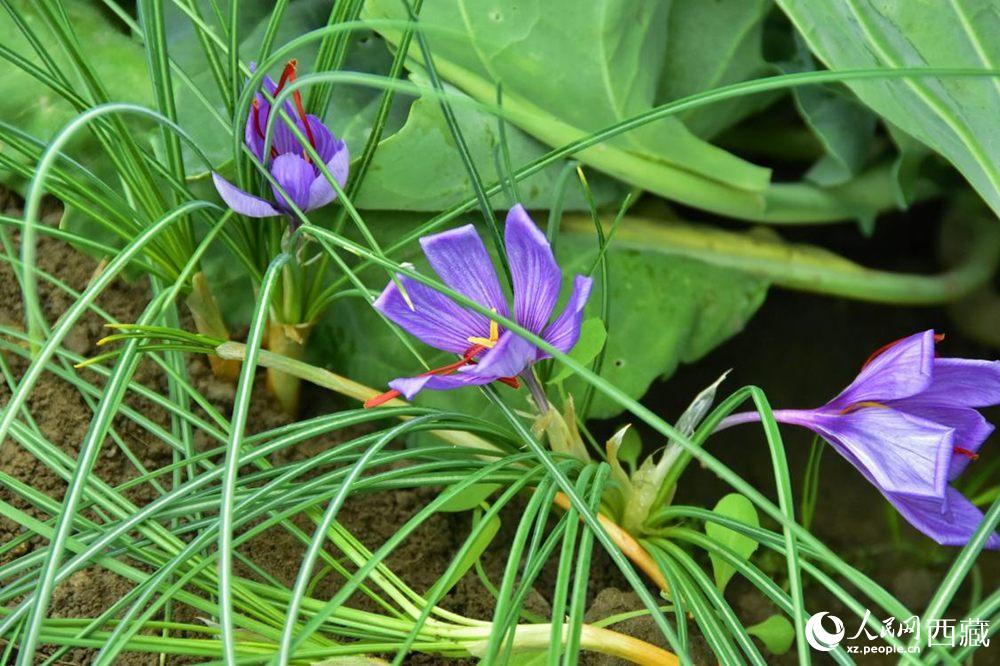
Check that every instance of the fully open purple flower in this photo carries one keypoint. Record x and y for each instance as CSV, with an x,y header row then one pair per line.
x,y
486,352
290,166
909,424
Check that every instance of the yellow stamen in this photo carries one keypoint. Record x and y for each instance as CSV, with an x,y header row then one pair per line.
x,y
861,405
494,335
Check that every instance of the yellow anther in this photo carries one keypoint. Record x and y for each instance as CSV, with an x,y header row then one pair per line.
x,y
494,335
861,405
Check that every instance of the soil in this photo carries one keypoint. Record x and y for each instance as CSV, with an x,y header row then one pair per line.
x,y
830,338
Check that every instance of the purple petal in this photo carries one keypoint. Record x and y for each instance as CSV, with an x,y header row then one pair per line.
x,y
460,259
565,330
904,454
902,370
971,429
251,136
410,386
321,192
285,140
435,319
240,201
270,85
511,355
295,176
950,521
964,382
535,274
325,143
254,130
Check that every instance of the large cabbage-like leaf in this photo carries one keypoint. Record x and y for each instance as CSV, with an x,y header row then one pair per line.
x,y
712,44
419,166
956,116
570,68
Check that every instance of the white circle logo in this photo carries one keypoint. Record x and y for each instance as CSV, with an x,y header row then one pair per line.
x,y
821,639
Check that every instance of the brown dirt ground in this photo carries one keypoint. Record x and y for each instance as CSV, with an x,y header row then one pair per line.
x,y
831,335
64,416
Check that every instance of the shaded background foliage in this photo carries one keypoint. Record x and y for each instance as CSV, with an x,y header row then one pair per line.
x,y
569,70
688,266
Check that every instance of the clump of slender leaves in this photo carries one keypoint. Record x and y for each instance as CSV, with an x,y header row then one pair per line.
x,y
634,140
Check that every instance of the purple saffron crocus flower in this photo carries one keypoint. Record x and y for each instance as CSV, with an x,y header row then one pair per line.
x,y
290,166
486,353
908,423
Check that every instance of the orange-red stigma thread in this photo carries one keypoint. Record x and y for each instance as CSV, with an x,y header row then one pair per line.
x,y
965,452
289,75
257,126
468,358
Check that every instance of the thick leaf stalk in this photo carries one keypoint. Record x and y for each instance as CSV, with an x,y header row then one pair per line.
x,y
288,340
208,321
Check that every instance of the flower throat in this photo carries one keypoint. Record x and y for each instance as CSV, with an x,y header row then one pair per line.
x,y
287,74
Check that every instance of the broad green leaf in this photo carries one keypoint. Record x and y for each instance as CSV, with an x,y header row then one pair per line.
x,y
740,508
33,107
419,167
906,168
955,116
664,310
844,127
182,30
570,68
478,547
591,342
776,632
469,498
712,44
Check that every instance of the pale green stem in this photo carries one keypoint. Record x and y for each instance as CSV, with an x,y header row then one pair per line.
x,y
236,351
806,267
536,390
537,637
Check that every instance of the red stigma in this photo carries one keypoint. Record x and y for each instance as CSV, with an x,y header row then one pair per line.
x,y
257,126
938,337
965,452
468,358
256,118
288,74
381,398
